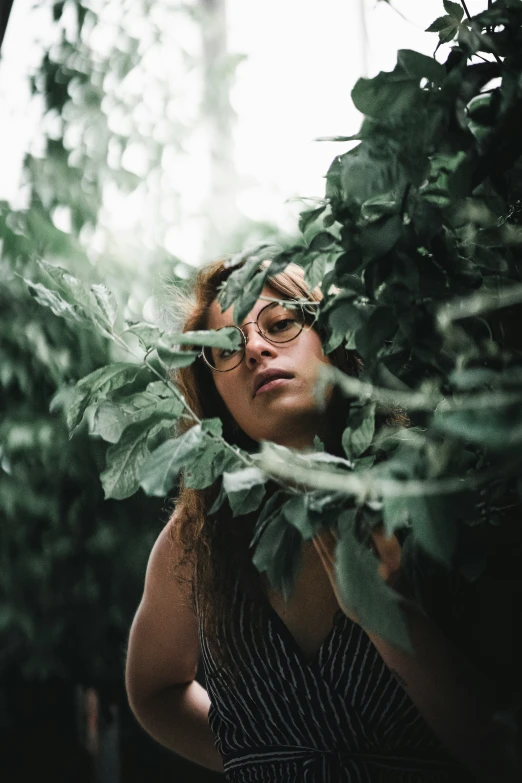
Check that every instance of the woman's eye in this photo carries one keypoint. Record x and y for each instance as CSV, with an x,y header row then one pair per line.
x,y
226,353
282,325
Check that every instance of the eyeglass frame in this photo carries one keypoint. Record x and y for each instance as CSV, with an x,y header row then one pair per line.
x,y
263,335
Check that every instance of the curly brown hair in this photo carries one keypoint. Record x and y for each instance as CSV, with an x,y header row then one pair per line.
x,y
217,545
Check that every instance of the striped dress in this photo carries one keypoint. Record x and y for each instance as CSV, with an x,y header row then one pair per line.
x,y
343,717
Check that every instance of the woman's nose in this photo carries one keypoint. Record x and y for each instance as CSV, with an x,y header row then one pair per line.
x,y
257,347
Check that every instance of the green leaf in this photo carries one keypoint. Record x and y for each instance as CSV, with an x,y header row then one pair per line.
x,y
237,282
213,458
110,419
212,461
106,302
72,289
379,328
245,489
125,459
108,422
160,471
244,286
389,95
212,426
322,241
278,553
499,429
59,306
360,430
419,66
148,334
229,337
315,270
344,316
378,207
172,359
363,590
446,26
446,178
97,385
454,10
295,511
433,520
157,398
308,216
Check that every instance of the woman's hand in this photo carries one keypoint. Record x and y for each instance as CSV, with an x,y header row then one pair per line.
x,y
388,551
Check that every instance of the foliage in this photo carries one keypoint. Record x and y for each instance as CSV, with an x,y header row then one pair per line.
x,y
417,248
72,563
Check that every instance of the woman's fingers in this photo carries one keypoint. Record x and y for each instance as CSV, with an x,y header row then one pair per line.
x,y
387,550
325,545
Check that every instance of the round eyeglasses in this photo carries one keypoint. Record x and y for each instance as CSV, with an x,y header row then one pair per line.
x,y
275,322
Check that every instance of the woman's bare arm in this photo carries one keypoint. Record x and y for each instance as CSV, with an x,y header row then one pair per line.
x,y
162,660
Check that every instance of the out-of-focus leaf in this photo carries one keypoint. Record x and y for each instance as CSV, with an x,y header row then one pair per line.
x,y
106,302
278,553
359,432
362,588
44,296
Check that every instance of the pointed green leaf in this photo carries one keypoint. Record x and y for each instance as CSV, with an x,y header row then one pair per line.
x,y
278,553
360,430
162,468
47,298
315,270
420,66
229,337
308,216
295,511
434,520
97,385
125,459
245,489
148,334
363,590
455,10
172,359
322,241
108,422
106,302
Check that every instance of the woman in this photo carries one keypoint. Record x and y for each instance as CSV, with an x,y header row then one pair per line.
x,y
297,690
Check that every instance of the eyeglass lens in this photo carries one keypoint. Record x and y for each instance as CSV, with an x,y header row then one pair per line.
x,y
276,323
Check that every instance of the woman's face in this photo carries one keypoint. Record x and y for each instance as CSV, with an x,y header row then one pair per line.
x,y
282,410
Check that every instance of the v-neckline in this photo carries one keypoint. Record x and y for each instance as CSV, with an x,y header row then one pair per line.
x,y
286,634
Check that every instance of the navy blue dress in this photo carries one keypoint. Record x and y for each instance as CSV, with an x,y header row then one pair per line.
x,y
343,717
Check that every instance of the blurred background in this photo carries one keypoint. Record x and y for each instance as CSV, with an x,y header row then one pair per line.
x,y
138,140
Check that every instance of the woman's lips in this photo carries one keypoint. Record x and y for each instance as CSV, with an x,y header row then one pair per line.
x,y
274,383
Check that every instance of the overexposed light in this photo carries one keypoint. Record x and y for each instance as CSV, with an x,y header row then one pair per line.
x,y
135,158
61,217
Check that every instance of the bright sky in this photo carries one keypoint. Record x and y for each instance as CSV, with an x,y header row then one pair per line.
x,y
293,87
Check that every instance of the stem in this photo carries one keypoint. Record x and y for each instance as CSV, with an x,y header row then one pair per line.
x,y
417,401
366,486
465,9
463,3
476,304
307,302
